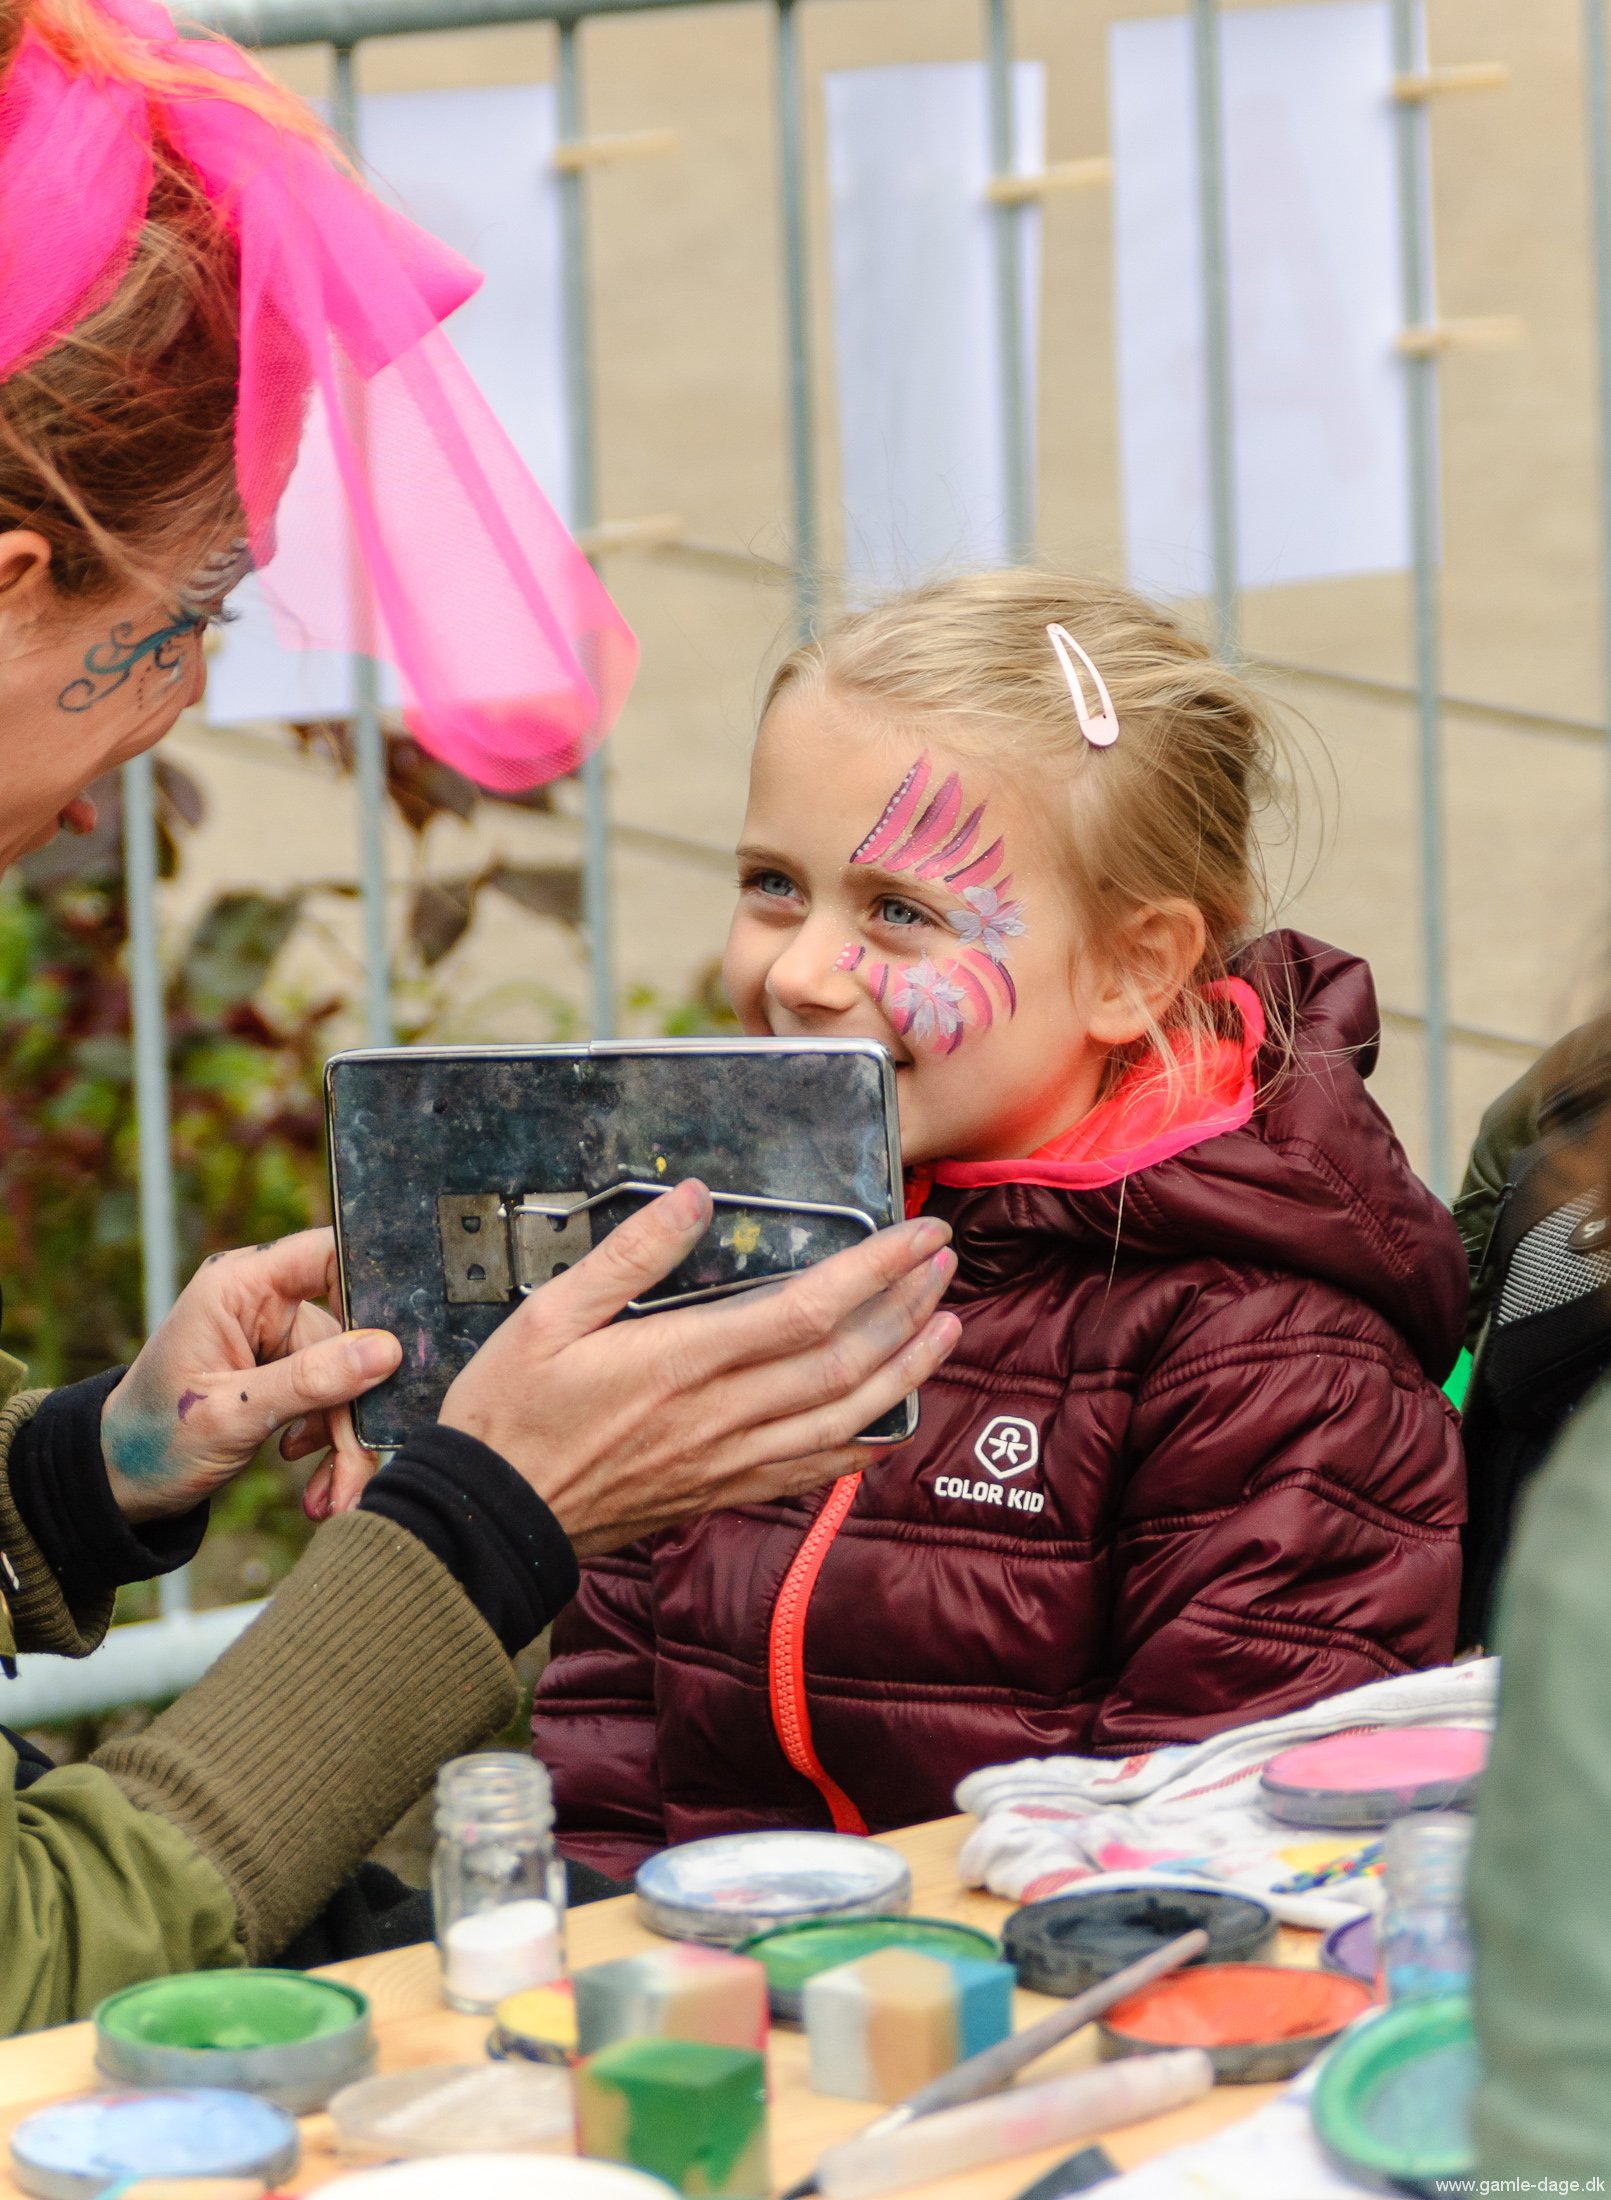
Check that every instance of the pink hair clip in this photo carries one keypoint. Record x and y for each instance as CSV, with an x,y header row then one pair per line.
x,y
1102,728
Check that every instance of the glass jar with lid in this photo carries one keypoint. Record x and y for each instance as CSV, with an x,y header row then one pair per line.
x,y
1422,1932
497,1880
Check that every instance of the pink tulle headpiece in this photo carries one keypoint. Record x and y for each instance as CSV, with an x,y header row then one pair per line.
x,y
512,658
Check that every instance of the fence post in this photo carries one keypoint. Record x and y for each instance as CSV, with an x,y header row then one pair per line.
x,y
1218,371
1420,387
368,742
797,312
597,907
159,1249
1009,218
1599,120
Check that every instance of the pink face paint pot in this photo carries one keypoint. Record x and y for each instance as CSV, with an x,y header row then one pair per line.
x,y
1369,1779
1256,2021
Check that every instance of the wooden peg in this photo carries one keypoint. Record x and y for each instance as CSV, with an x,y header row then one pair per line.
x,y
577,154
1494,332
653,533
1459,76
1062,175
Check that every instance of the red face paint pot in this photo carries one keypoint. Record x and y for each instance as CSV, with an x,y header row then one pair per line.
x,y
1256,2021
1370,1779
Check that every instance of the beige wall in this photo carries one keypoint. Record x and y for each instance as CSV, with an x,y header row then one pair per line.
x,y
691,381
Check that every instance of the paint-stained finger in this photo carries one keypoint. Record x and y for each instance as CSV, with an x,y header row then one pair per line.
x,y
339,1368
302,1266
352,1467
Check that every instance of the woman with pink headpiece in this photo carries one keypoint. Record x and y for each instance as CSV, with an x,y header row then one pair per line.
x,y
217,350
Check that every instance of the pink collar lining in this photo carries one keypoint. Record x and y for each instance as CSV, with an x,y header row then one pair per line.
x,y
1141,1123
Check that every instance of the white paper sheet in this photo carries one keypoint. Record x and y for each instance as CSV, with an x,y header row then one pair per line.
x,y
1312,222
923,475
475,168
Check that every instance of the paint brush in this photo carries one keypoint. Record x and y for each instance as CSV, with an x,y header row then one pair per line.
x,y
997,2066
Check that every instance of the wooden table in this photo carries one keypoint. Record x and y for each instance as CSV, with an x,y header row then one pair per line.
x,y
415,2027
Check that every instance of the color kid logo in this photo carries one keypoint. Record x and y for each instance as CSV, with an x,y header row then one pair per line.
x,y
1006,1447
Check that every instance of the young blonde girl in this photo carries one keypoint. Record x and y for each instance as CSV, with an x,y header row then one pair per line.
x,y
1189,1464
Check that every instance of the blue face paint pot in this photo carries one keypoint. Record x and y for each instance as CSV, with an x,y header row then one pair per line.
x,y
78,2148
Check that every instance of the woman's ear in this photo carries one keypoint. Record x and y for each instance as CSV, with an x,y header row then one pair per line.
x,y
1147,969
24,573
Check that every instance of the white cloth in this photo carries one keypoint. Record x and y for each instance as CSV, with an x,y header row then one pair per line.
x,y
1193,1811
1272,2155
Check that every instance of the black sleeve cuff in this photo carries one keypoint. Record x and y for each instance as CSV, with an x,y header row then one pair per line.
x,y
489,1528
58,1483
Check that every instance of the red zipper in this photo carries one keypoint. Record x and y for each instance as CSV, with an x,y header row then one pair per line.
x,y
791,1715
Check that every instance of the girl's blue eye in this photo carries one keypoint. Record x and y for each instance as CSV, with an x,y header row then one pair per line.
x,y
901,915
773,883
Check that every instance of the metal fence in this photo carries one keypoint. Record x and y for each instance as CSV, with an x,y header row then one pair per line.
x,y
151,1660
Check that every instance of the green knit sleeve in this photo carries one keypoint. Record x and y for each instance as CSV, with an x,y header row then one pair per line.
x,y
96,1894
1540,1918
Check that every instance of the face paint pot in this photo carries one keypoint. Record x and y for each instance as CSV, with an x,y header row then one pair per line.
x,y
77,2149
1351,1949
291,2038
736,1885
462,2108
796,1953
1257,2021
1351,1780
1073,1941
1393,2104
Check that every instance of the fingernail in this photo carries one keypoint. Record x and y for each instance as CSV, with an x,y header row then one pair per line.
x,y
372,1352
292,1432
688,1204
943,1266
931,1234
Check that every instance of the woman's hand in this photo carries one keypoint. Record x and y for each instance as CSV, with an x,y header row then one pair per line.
x,y
243,1352
626,1428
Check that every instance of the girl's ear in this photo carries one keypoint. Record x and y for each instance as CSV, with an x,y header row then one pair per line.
x,y
1147,968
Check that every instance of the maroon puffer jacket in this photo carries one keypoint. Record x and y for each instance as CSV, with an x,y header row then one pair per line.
x,y
1188,1466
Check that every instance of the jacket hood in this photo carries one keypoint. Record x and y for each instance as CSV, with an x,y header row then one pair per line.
x,y
1282,1161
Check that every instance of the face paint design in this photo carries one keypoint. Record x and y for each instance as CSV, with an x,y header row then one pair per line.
x,y
925,836
110,664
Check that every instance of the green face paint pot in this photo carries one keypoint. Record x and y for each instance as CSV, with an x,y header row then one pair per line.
x,y
290,2038
797,1952
1393,2102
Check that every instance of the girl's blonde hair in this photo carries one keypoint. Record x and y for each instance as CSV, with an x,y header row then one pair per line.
x,y
1167,813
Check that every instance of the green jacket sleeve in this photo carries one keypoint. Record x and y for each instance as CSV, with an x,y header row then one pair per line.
x,y
96,1894
1540,1915
211,1838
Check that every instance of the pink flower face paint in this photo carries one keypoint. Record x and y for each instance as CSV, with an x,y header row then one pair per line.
x,y
922,833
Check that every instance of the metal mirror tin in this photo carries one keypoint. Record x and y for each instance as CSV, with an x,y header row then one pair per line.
x,y
464,1177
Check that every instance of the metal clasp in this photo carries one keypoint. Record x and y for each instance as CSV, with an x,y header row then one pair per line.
x,y
492,1251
